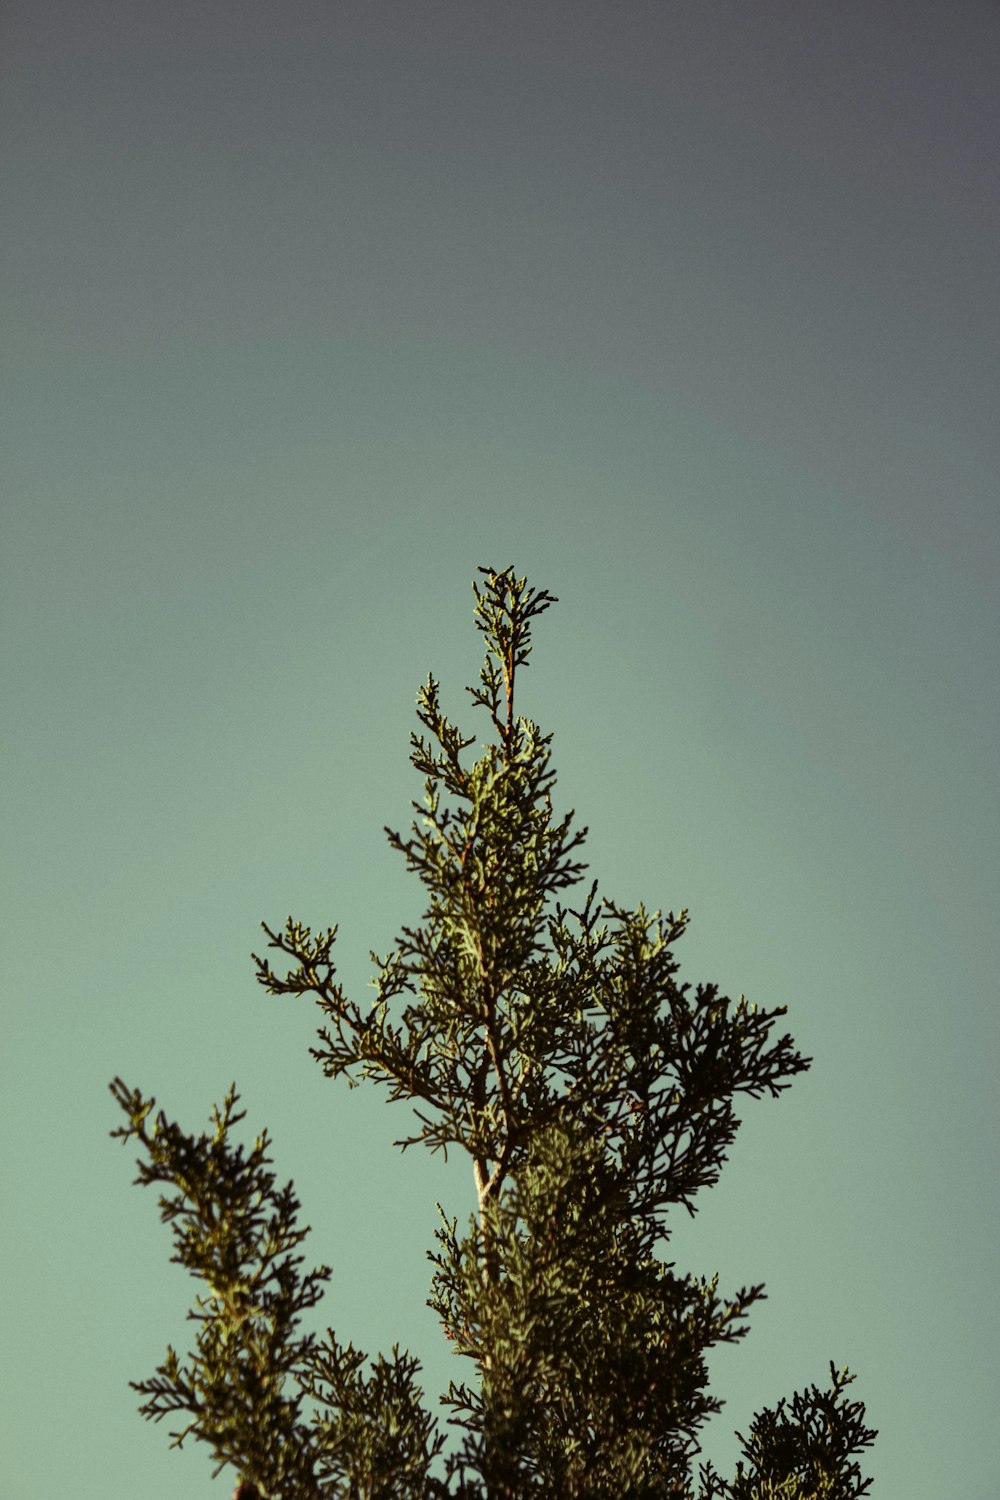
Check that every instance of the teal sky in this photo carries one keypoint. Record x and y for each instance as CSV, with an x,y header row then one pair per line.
x,y
690,312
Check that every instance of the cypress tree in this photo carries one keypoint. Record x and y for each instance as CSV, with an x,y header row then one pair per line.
x,y
593,1094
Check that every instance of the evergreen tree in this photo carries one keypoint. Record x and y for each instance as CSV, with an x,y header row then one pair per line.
x,y
592,1092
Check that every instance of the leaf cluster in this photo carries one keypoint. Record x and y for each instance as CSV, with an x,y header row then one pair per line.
x,y
592,1093
293,1414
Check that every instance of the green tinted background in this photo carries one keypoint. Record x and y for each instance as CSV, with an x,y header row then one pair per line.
x,y
689,311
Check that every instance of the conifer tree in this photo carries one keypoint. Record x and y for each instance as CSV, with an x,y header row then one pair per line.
x,y
593,1094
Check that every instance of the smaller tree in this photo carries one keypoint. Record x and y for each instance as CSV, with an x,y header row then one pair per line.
x,y
592,1094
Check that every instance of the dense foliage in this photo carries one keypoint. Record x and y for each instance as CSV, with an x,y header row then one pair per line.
x,y
592,1092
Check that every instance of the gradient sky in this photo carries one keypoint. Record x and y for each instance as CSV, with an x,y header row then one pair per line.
x,y
690,312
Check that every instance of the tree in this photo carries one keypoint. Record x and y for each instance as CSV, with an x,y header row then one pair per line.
x,y
593,1094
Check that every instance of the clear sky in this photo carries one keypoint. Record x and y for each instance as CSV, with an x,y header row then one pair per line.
x,y
690,312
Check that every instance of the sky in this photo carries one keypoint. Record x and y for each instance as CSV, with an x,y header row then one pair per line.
x,y
690,313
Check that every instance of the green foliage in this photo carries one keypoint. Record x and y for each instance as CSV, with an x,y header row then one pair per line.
x,y
592,1093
